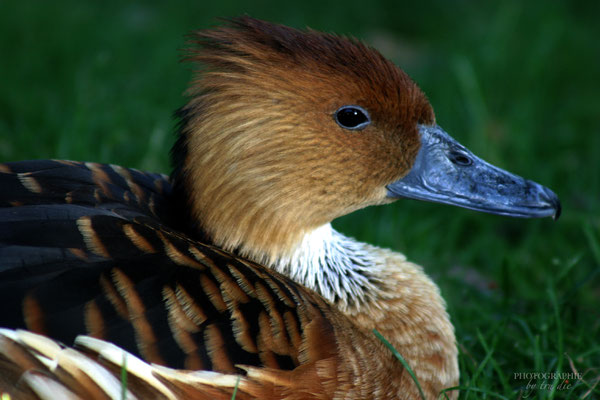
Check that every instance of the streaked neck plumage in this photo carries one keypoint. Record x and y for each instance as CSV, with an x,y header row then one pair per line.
x,y
341,269
379,289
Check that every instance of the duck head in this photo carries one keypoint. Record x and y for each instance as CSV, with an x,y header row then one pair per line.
x,y
286,130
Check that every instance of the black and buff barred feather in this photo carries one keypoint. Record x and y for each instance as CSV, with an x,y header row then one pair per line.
x,y
88,249
127,277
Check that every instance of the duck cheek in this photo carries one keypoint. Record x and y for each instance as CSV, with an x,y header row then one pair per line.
x,y
369,197
377,196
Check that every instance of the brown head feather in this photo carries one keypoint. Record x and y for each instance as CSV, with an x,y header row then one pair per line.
x,y
260,157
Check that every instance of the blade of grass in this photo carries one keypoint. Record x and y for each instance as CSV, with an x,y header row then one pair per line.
x,y
401,359
534,339
569,266
235,389
468,389
559,338
124,377
482,365
490,350
593,241
581,381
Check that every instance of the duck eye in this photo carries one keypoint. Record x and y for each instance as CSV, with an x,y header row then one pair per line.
x,y
352,117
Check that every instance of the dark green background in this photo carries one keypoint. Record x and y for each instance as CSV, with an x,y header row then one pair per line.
x,y
518,82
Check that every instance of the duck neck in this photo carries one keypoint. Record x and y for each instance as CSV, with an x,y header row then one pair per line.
x,y
379,289
342,270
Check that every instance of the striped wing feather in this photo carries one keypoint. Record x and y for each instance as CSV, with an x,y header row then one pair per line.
x,y
91,249
44,369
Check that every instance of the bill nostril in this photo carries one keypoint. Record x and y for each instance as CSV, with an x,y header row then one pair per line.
x,y
460,158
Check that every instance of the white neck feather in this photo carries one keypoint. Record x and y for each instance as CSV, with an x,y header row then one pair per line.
x,y
342,270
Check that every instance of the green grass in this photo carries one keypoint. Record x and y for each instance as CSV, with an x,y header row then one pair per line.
x,y
124,377
516,81
400,358
235,389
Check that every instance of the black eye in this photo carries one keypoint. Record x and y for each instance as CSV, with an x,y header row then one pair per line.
x,y
352,117
460,158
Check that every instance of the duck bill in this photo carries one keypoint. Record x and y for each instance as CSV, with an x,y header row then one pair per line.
x,y
446,172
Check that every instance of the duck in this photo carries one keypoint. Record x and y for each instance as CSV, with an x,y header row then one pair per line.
x,y
227,277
